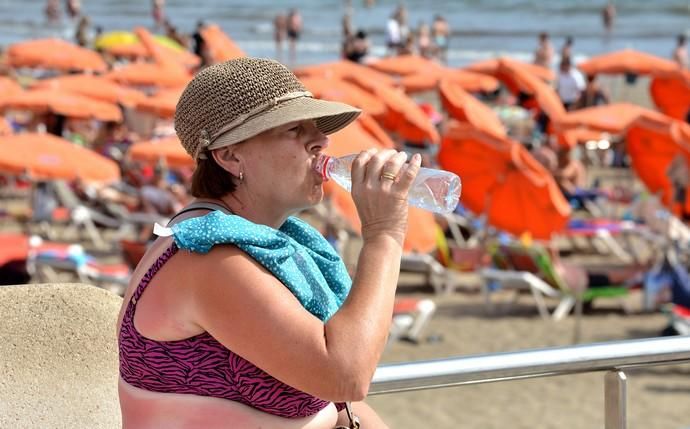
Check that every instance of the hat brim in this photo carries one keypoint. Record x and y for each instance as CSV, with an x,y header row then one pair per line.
x,y
330,116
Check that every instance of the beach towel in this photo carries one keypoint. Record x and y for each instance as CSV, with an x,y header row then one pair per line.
x,y
298,255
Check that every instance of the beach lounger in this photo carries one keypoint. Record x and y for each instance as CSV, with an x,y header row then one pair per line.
x,y
410,317
69,262
530,268
679,319
603,235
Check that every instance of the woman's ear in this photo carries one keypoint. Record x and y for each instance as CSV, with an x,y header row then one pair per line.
x,y
226,158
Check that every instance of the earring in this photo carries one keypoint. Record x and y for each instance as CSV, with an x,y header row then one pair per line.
x,y
241,176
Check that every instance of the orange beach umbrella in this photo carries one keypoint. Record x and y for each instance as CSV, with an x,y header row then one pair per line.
x,y
492,67
220,46
467,80
627,61
147,74
671,93
403,65
544,94
344,69
611,118
63,103
9,87
164,56
163,104
93,87
403,115
54,54
336,89
5,127
45,156
652,142
466,108
500,178
167,149
497,69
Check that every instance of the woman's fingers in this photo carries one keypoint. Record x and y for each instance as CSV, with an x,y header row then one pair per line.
x,y
409,172
358,173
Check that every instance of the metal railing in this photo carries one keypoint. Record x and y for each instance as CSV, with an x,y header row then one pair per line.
x,y
612,357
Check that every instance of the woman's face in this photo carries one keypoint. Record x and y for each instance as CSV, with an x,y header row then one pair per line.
x,y
278,166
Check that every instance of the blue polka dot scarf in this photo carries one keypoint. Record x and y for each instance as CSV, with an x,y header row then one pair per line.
x,y
296,254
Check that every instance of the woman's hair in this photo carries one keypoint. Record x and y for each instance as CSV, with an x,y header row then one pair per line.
x,y
210,180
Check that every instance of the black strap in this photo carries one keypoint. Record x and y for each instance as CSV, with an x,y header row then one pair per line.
x,y
199,205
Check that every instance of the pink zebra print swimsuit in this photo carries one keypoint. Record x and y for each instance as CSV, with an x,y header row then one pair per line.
x,y
200,365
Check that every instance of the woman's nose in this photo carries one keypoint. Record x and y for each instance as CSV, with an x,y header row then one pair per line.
x,y
319,142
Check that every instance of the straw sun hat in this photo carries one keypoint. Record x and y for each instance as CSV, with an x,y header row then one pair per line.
x,y
230,102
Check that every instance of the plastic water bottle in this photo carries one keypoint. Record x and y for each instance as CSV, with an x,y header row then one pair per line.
x,y
434,190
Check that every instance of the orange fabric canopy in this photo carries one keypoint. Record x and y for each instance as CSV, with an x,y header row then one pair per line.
x,y
146,74
466,108
573,136
469,81
5,127
343,69
403,116
165,56
9,86
611,118
167,149
500,178
139,51
375,130
336,89
45,156
492,67
54,54
627,61
354,139
652,142
671,93
163,104
93,87
404,65
545,96
63,103
220,46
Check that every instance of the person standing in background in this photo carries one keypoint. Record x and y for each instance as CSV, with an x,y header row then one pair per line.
x,y
294,29
543,56
279,33
569,84
680,54
73,8
608,15
679,175
424,44
594,94
158,13
440,35
567,49
397,31
52,10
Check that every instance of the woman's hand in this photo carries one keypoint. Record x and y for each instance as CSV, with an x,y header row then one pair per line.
x,y
380,183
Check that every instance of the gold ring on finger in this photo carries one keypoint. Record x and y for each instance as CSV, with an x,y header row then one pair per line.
x,y
389,176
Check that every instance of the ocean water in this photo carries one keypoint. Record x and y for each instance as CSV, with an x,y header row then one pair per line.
x,y
481,28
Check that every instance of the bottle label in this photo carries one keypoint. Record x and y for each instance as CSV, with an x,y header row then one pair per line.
x,y
321,165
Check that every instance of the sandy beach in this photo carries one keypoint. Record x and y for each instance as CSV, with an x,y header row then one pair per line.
x,y
658,397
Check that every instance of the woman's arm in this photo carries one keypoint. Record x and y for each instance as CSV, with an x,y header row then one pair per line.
x,y
250,312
